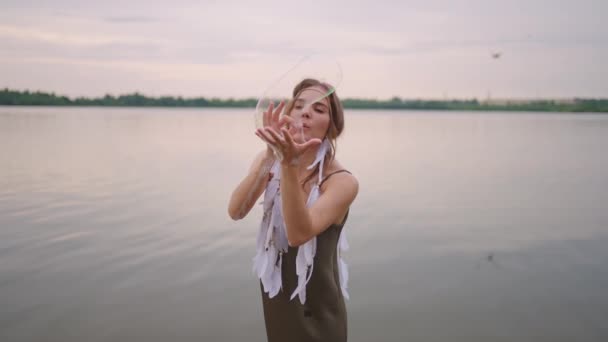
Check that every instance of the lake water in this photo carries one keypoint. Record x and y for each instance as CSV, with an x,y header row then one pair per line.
x,y
468,226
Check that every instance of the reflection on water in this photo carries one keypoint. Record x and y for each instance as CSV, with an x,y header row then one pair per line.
x,y
468,226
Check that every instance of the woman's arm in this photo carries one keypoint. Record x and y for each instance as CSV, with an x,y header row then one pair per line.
x,y
251,187
303,223
249,190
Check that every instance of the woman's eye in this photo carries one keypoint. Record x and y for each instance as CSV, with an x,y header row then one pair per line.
x,y
298,107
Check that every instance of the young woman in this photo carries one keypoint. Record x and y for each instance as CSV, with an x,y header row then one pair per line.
x,y
307,195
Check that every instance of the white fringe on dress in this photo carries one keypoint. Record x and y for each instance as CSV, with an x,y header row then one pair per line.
x,y
272,239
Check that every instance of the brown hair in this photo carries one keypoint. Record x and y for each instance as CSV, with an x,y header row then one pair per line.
x,y
336,117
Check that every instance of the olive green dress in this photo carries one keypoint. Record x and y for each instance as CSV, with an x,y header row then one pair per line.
x,y
323,316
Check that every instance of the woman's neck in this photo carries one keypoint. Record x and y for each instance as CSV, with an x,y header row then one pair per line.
x,y
306,159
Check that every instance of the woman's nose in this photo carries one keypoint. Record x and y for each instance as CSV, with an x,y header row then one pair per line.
x,y
306,112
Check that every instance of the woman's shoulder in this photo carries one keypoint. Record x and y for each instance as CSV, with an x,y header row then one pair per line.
x,y
336,166
337,174
341,186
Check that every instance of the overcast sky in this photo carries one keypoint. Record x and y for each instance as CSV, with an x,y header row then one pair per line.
x,y
430,49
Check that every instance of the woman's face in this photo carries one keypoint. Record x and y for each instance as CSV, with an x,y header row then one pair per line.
x,y
311,114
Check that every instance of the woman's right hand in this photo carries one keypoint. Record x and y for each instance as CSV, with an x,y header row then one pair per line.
x,y
272,118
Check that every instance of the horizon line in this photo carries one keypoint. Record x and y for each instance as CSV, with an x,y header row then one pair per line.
x,y
393,97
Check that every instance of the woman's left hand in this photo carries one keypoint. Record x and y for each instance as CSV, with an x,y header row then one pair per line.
x,y
283,143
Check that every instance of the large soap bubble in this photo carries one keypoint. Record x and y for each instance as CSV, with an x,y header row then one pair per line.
x,y
322,67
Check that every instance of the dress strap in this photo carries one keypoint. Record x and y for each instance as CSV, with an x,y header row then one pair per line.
x,y
331,174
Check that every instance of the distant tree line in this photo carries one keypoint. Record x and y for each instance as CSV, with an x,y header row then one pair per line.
x,y
27,98
13,97
574,105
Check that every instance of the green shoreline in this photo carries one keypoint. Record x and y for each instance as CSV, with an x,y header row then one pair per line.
x,y
26,98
